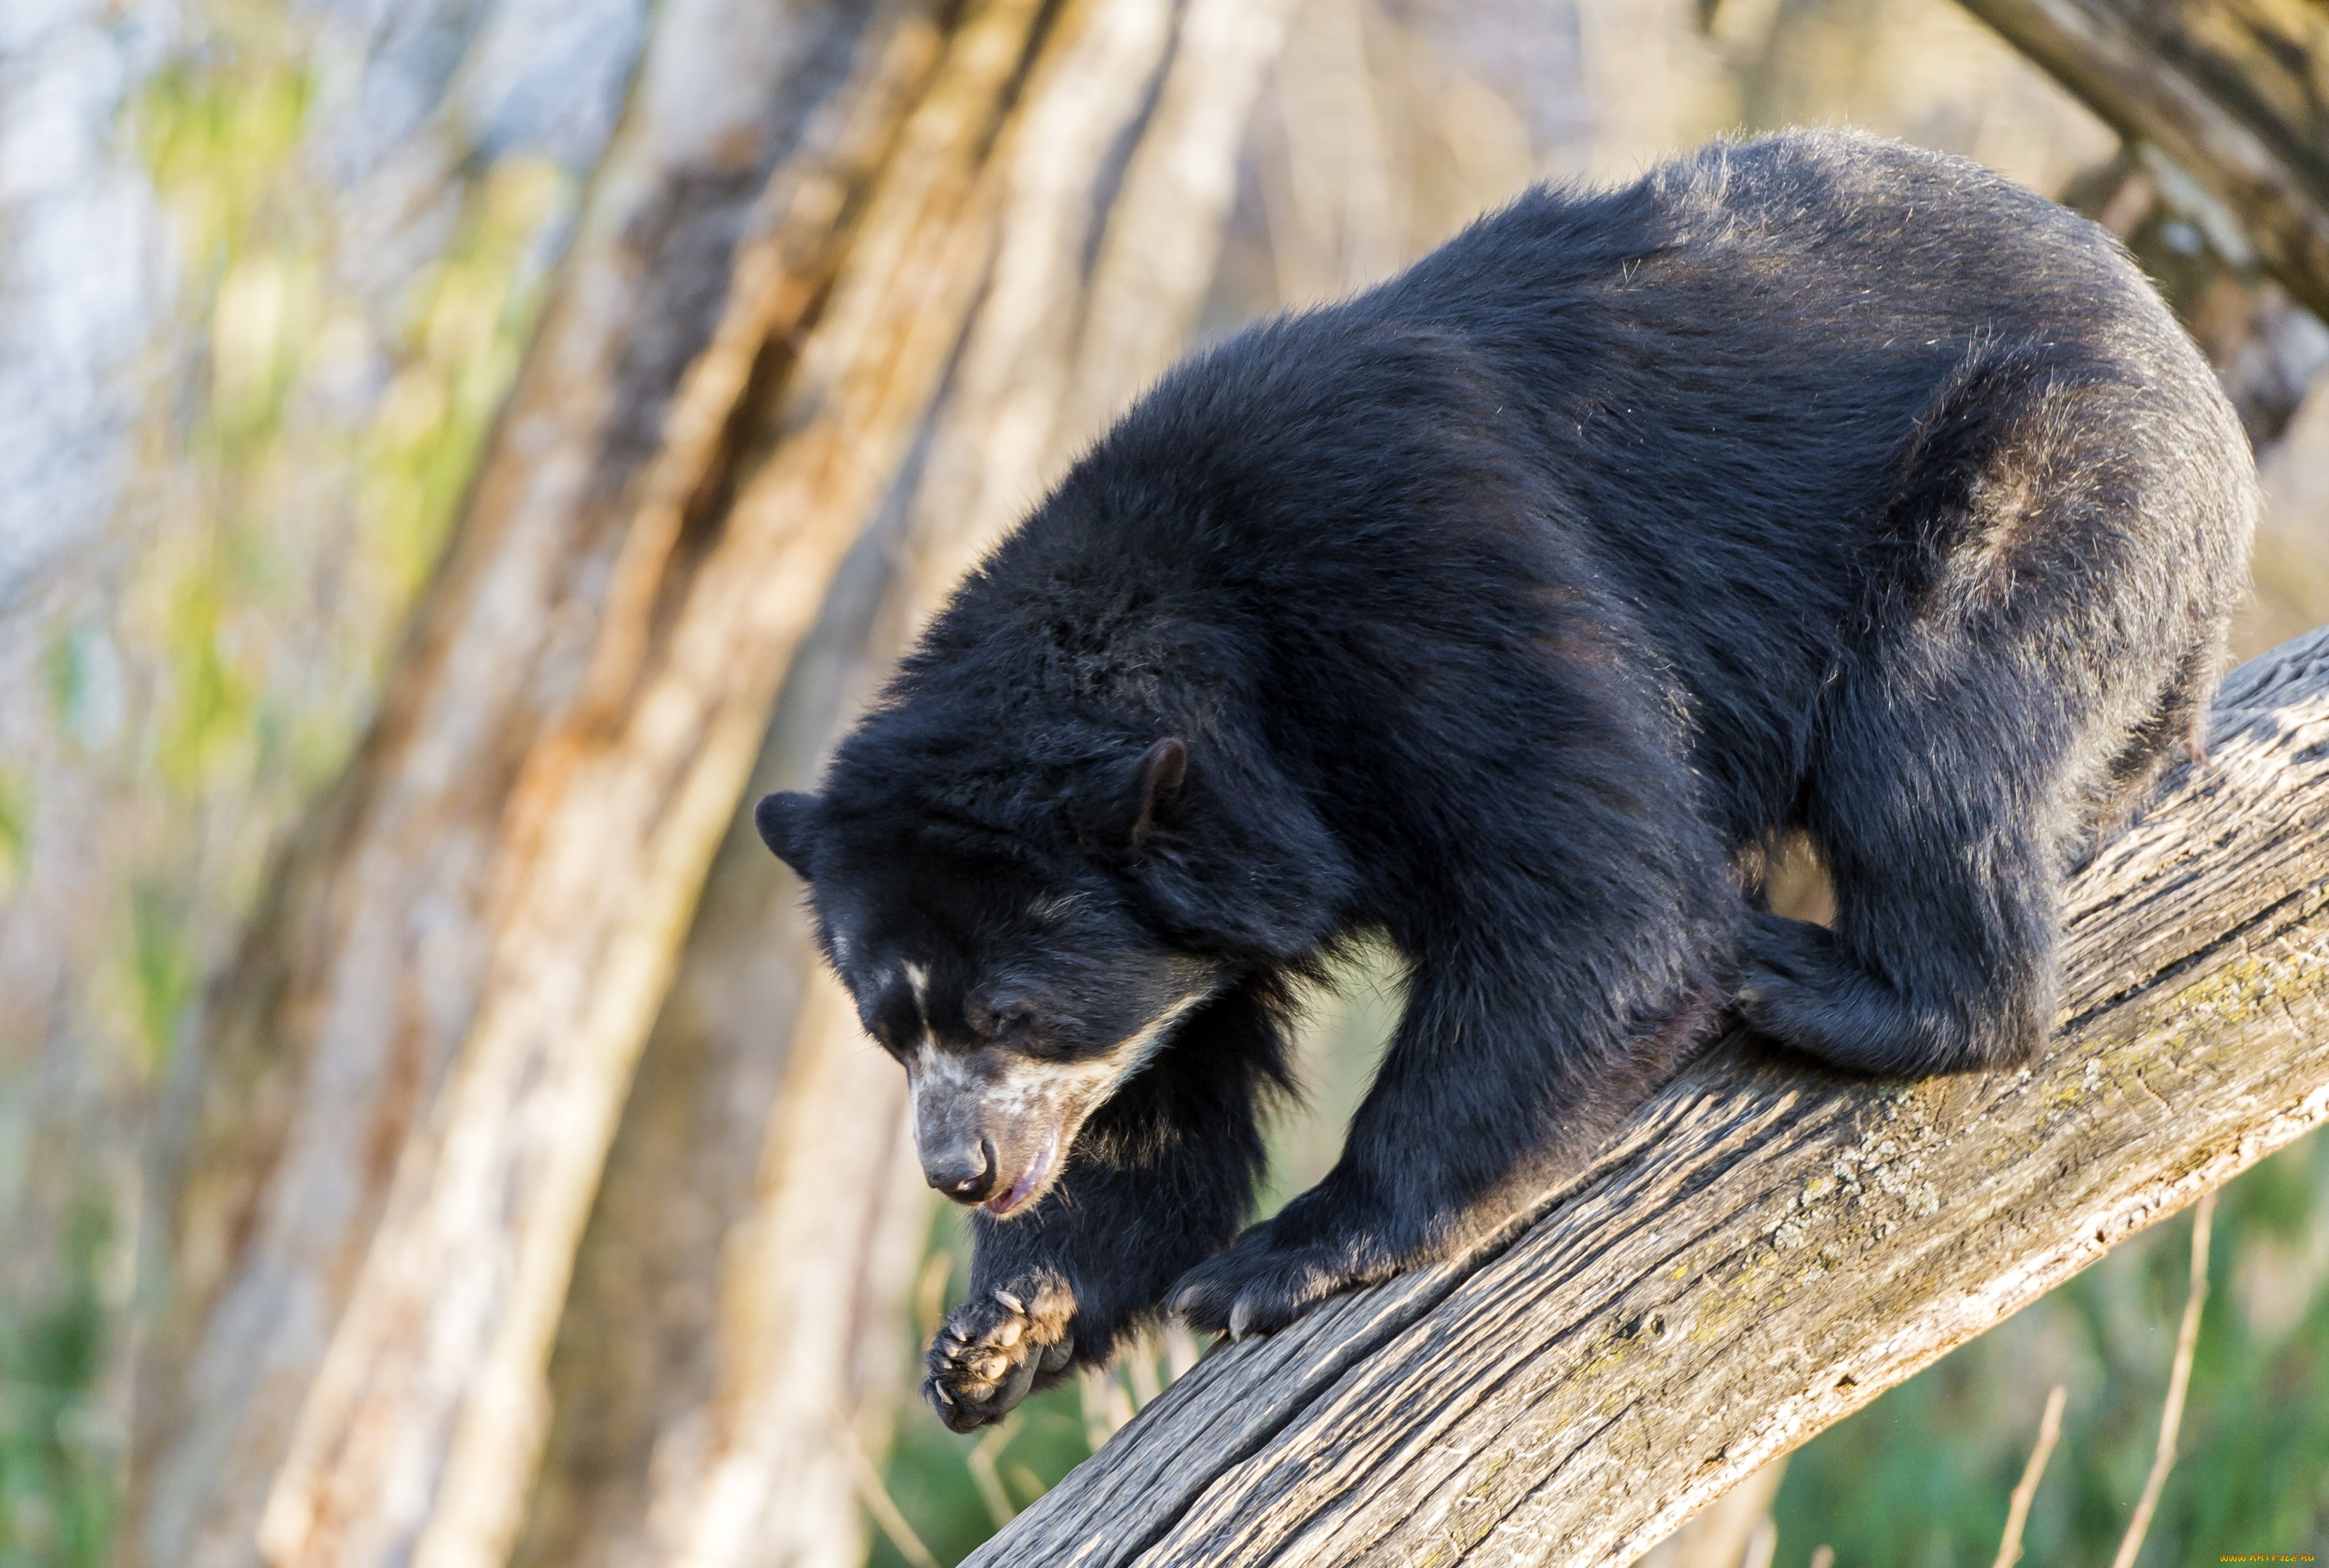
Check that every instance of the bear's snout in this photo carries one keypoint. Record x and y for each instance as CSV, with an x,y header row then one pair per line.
x,y
964,1172
989,1130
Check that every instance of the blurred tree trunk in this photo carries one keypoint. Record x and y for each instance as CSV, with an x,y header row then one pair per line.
x,y
1115,175
1734,1531
409,1082
717,222
419,1434
2226,97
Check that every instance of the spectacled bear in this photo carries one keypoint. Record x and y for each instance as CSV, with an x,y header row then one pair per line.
x,y
1507,611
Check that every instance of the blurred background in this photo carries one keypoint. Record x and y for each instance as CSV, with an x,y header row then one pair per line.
x,y
453,451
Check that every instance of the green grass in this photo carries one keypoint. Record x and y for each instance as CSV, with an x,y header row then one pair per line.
x,y
1922,1478
59,1456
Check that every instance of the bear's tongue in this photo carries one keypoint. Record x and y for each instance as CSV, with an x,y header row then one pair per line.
x,y
1028,1179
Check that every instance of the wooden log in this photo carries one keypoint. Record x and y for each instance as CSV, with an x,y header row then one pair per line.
x,y
2234,94
1766,1246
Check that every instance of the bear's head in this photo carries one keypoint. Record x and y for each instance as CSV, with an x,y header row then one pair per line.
x,y
1015,975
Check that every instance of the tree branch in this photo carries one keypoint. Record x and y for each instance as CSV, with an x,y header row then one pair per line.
x,y
2234,92
1768,1245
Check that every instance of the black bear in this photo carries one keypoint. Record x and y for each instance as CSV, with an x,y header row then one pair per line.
x,y
1509,611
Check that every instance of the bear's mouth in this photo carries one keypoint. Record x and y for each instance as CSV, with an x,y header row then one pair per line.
x,y
1031,1180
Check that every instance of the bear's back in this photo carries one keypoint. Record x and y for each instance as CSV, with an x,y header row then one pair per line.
x,y
1758,241
1685,403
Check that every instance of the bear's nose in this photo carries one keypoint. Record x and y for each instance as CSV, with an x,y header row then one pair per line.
x,y
966,1174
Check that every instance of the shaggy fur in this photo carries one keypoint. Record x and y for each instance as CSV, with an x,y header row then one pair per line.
x,y
1509,610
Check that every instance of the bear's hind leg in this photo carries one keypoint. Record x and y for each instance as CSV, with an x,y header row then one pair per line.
x,y
2051,634
1949,808
2177,729
1941,958
1945,806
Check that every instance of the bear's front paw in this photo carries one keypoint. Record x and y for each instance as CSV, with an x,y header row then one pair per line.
x,y
1263,1283
994,1346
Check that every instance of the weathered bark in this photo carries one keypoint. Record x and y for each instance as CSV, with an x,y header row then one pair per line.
x,y
1767,1246
2235,94
1109,147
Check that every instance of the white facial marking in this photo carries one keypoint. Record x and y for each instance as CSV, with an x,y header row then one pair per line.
x,y
948,1070
1138,1048
1067,1094
1024,1084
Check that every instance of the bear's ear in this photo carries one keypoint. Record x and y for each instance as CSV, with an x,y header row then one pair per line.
x,y
785,820
1114,818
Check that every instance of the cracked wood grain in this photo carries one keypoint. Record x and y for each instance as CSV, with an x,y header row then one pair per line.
x,y
1768,1245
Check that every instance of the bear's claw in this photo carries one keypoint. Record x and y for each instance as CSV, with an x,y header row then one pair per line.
x,y
1259,1286
997,1348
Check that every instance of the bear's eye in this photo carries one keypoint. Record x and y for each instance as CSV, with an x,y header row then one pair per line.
x,y
1005,1022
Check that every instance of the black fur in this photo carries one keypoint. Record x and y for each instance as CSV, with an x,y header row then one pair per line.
x,y
1508,610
